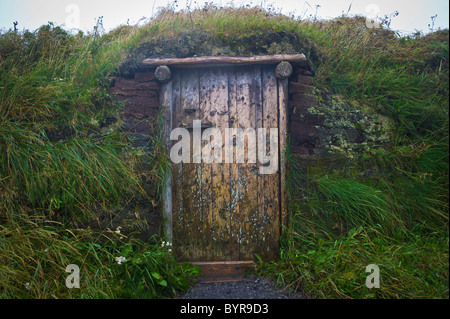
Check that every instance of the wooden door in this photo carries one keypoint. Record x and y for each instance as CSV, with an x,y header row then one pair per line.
x,y
227,211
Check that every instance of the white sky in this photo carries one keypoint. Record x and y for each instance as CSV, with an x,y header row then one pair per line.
x,y
82,14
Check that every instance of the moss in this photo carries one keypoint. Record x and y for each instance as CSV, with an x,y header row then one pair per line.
x,y
231,32
348,127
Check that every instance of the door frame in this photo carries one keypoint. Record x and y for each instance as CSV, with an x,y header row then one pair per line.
x,y
283,70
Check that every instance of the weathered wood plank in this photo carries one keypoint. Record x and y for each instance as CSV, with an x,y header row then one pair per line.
x,y
270,217
234,170
166,103
205,61
219,271
190,103
253,179
177,177
220,174
283,135
243,82
206,184
193,217
260,178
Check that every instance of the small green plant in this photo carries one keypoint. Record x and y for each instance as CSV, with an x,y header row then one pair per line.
x,y
152,273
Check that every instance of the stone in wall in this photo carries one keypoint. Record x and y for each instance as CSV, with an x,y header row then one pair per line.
x,y
326,130
349,128
325,124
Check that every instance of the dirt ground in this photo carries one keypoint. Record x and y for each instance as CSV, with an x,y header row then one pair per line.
x,y
245,288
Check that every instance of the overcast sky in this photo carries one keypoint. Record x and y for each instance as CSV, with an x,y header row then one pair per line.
x,y
82,14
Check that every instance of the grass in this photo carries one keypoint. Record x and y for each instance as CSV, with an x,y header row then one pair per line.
x,y
62,164
35,253
396,219
63,176
51,184
415,267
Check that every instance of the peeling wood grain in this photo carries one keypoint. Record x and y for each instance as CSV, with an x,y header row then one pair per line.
x,y
270,216
206,184
177,177
261,181
257,95
283,135
252,214
190,101
220,194
192,187
243,82
166,103
234,169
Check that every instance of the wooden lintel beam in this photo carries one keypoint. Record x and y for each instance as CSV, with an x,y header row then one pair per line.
x,y
224,60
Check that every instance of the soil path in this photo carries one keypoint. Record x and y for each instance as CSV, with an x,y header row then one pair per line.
x,y
246,288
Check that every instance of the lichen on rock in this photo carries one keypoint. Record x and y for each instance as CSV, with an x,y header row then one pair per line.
x,y
349,127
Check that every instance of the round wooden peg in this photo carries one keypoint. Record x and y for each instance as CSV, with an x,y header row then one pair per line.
x,y
163,74
283,70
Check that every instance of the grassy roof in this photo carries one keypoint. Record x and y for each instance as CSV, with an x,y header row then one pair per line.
x,y
51,72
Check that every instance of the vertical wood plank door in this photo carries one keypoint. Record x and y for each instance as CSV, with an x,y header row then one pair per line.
x,y
228,210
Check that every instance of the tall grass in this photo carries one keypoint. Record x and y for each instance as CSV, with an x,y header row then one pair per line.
x,y
63,176
352,204
52,81
35,252
397,222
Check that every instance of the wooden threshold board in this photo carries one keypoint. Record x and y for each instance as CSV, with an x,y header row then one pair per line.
x,y
223,271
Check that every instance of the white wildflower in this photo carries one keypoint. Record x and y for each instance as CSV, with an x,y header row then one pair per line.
x,y
117,231
121,260
166,244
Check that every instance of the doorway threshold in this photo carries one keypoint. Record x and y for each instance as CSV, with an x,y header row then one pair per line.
x,y
223,271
